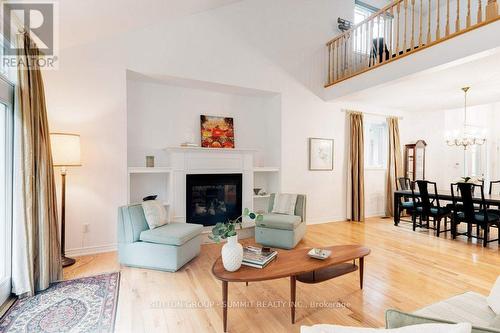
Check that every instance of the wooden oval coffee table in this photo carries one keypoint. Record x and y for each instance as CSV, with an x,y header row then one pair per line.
x,y
297,265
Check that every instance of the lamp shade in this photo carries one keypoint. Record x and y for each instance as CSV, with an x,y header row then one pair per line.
x,y
65,149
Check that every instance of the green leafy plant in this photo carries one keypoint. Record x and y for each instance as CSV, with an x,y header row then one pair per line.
x,y
223,230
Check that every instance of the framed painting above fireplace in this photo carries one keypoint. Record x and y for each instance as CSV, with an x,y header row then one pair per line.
x,y
217,132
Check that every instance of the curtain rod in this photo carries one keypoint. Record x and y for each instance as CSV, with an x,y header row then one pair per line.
x,y
373,114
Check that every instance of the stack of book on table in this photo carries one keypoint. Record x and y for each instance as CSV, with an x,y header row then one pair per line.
x,y
255,257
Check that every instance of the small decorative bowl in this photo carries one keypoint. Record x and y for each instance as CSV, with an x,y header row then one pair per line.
x,y
319,254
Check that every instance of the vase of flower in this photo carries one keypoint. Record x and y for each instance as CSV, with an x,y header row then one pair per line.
x,y
232,254
232,251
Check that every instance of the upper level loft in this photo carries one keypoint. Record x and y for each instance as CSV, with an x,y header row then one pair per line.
x,y
402,28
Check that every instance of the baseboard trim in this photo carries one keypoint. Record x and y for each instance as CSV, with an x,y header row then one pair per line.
x,y
381,214
326,220
84,251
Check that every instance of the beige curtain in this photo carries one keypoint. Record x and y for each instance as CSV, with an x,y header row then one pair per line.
x,y
36,249
394,164
356,168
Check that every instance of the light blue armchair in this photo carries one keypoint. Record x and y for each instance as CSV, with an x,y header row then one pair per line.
x,y
280,230
165,248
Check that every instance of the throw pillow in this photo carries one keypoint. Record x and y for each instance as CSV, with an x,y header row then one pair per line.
x,y
155,213
284,203
494,298
423,328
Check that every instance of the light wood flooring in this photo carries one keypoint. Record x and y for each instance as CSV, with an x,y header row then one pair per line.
x,y
406,270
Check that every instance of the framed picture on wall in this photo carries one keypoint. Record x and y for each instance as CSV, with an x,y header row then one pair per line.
x,y
217,132
320,154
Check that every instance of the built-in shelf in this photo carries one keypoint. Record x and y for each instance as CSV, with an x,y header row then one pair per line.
x,y
149,170
261,196
266,169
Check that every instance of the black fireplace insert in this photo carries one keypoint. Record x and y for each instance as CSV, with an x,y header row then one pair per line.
x,y
212,198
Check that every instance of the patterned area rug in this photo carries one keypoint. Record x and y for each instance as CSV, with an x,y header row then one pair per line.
x,y
81,305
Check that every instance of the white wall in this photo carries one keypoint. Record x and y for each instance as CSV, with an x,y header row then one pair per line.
x,y
163,115
272,46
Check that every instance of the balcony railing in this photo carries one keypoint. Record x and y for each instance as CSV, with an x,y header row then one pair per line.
x,y
402,28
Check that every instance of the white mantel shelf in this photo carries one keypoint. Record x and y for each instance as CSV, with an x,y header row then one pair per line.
x,y
266,169
149,170
216,150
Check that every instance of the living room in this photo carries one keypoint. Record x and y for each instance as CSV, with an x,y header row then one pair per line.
x,y
226,110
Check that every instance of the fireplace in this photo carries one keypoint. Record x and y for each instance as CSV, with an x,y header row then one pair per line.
x,y
212,198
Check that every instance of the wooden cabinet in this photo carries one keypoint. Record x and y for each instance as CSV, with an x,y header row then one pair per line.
x,y
415,160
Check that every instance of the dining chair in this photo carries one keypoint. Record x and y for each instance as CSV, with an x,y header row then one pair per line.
x,y
457,213
495,190
406,202
494,187
431,208
480,217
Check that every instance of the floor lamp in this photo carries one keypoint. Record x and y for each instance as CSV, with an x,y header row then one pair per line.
x,y
65,153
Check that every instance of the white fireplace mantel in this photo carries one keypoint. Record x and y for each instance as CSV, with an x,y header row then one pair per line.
x,y
197,160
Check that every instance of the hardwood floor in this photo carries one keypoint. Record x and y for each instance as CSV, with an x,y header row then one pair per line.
x,y
406,270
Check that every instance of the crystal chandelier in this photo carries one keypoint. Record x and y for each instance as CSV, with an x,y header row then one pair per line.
x,y
468,136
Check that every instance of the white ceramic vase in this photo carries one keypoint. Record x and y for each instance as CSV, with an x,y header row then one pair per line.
x,y
232,254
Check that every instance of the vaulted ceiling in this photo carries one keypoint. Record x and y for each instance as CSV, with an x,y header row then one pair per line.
x,y
84,21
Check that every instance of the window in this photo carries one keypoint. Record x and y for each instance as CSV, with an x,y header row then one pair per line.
x,y
477,163
376,142
380,27
6,140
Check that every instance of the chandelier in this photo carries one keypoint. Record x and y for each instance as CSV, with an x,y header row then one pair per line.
x,y
468,136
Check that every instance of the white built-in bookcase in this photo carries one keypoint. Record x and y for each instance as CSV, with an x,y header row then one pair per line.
x,y
169,182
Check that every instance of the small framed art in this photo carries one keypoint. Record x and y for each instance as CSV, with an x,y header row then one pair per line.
x,y
320,154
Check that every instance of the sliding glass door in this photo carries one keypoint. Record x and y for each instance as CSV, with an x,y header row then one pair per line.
x,y
6,159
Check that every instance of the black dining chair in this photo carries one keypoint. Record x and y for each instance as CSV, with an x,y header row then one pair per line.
x,y
431,208
406,203
495,190
478,216
457,213
494,187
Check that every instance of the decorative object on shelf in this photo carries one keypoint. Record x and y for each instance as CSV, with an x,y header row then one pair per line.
x,y
320,154
150,161
217,132
415,160
468,135
65,153
256,191
319,254
189,145
232,251
150,197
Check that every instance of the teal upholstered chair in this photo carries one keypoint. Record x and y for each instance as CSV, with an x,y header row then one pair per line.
x,y
280,230
165,248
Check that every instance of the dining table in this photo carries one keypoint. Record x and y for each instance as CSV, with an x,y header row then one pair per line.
x,y
492,200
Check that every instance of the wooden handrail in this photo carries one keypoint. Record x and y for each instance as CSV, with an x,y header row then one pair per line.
x,y
401,28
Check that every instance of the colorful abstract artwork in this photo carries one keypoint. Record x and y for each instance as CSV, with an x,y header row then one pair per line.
x,y
217,132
